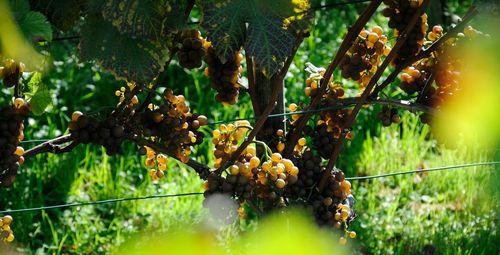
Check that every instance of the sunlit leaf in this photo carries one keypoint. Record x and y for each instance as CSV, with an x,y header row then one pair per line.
x,y
281,233
267,29
34,25
38,94
138,60
150,18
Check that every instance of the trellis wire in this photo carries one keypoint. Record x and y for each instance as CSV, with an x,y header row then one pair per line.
x,y
422,170
200,193
99,202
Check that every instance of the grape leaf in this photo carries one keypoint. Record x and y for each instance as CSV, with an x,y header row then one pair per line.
x,y
269,43
38,94
133,59
35,24
32,24
225,26
267,29
146,18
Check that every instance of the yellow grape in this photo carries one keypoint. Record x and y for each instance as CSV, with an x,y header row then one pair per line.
x,y
76,115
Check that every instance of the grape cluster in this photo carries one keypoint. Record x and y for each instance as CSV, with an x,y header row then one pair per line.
x,y
6,233
226,140
331,122
400,12
310,170
388,116
192,50
331,205
173,125
277,182
224,76
442,67
87,129
10,72
327,130
249,179
157,162
363,58
11,133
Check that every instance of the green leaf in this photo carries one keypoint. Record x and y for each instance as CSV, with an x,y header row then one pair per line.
x,y
138,60
225,26
269,43
35,24
38,94
267,29
148,18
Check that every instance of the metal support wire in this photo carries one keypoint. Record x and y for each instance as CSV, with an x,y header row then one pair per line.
x,y
422,170
200,193
98,202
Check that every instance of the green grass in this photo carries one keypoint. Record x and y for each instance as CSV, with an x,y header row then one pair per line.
x,y
449,212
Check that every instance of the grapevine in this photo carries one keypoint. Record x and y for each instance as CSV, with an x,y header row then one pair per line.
x,y
442,67
12,125
261,166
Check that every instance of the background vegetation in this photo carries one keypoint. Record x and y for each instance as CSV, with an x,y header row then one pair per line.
x,y
452,212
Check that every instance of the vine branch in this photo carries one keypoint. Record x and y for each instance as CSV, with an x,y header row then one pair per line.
x,y
277,89
200,168
55,146
251,84
364,96
471,13
401,103
52,146
344,47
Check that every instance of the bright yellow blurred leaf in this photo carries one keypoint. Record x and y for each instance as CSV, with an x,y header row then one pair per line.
x,y
12,42
289,233
473,114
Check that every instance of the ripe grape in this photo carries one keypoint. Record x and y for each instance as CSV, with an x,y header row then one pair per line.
x,y
87,129
192,50
6,233
11,72
400,12
11,133
362,59
224,76
388,116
